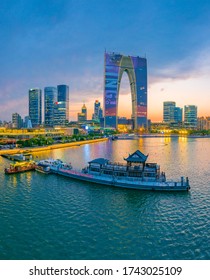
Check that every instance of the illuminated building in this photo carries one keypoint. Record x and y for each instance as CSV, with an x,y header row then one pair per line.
x,y
50,97
59,114
168,111
124,124
84,111
190,116
178,114
136,68
63,96
35,106
98,112
27,122
17,121
82,117
203,123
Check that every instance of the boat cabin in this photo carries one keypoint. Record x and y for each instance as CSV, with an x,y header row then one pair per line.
x,y
135,166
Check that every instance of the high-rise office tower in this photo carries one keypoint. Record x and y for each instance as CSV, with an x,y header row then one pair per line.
x,y
190,116
97,106
59,115
136,68
168,111
63,96
50,97
98,112
17,121
84,111
35,106
27,122
82,117
178,114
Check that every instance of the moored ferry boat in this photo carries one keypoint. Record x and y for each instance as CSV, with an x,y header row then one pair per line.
x,y
42,168
20,167
136,173
50,165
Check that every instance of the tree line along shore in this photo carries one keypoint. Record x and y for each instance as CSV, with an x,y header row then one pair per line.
x,y
51,146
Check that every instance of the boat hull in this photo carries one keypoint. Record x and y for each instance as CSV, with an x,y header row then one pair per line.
x,y
44,170
7,171
122,183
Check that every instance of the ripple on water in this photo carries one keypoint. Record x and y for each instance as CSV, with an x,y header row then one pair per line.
x,y
50,217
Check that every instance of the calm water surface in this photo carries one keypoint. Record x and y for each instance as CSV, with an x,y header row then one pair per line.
x,y
53,217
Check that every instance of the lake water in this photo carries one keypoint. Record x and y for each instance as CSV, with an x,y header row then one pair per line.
x,y
53,217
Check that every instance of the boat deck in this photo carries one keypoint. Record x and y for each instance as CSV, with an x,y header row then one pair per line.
x,y
125,182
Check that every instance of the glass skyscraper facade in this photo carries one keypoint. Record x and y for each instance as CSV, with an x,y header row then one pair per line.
x,y
190,116
59,114
97,106
136,68
84,111
50,97
82,117
63,97
178,114
35,107
17,121
168,111
98,112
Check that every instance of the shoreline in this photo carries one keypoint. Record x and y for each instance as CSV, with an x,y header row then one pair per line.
x,y
50,147
161,136
79,143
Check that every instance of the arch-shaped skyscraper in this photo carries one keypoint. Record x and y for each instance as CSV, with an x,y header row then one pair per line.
x,y
136,68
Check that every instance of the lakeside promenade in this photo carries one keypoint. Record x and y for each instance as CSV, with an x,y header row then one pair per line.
x,y
78,143
50,147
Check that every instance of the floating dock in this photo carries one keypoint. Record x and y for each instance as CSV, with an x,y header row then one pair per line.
x,y
18,157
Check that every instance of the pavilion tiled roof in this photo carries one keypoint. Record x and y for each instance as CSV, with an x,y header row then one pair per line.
x,y
137,156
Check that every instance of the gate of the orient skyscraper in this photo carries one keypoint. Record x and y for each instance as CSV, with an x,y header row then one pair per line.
x,y
136,68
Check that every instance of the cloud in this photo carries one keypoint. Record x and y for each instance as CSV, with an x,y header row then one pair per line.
x,y
194,65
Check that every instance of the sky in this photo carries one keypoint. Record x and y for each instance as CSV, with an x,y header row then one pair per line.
x,y
51,42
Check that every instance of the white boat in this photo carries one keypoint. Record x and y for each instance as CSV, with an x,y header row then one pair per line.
x,y
49,165
135,174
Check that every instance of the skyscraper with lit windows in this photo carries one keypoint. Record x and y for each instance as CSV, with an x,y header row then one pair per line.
x,y
17,121
63,97
84,111
98,112
50,97
168,111
35,106
82,117
190,116
136,68
178,114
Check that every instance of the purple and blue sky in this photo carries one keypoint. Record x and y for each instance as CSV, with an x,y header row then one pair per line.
x,y
51,42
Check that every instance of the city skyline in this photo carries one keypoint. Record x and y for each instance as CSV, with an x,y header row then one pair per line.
x,y
64,42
